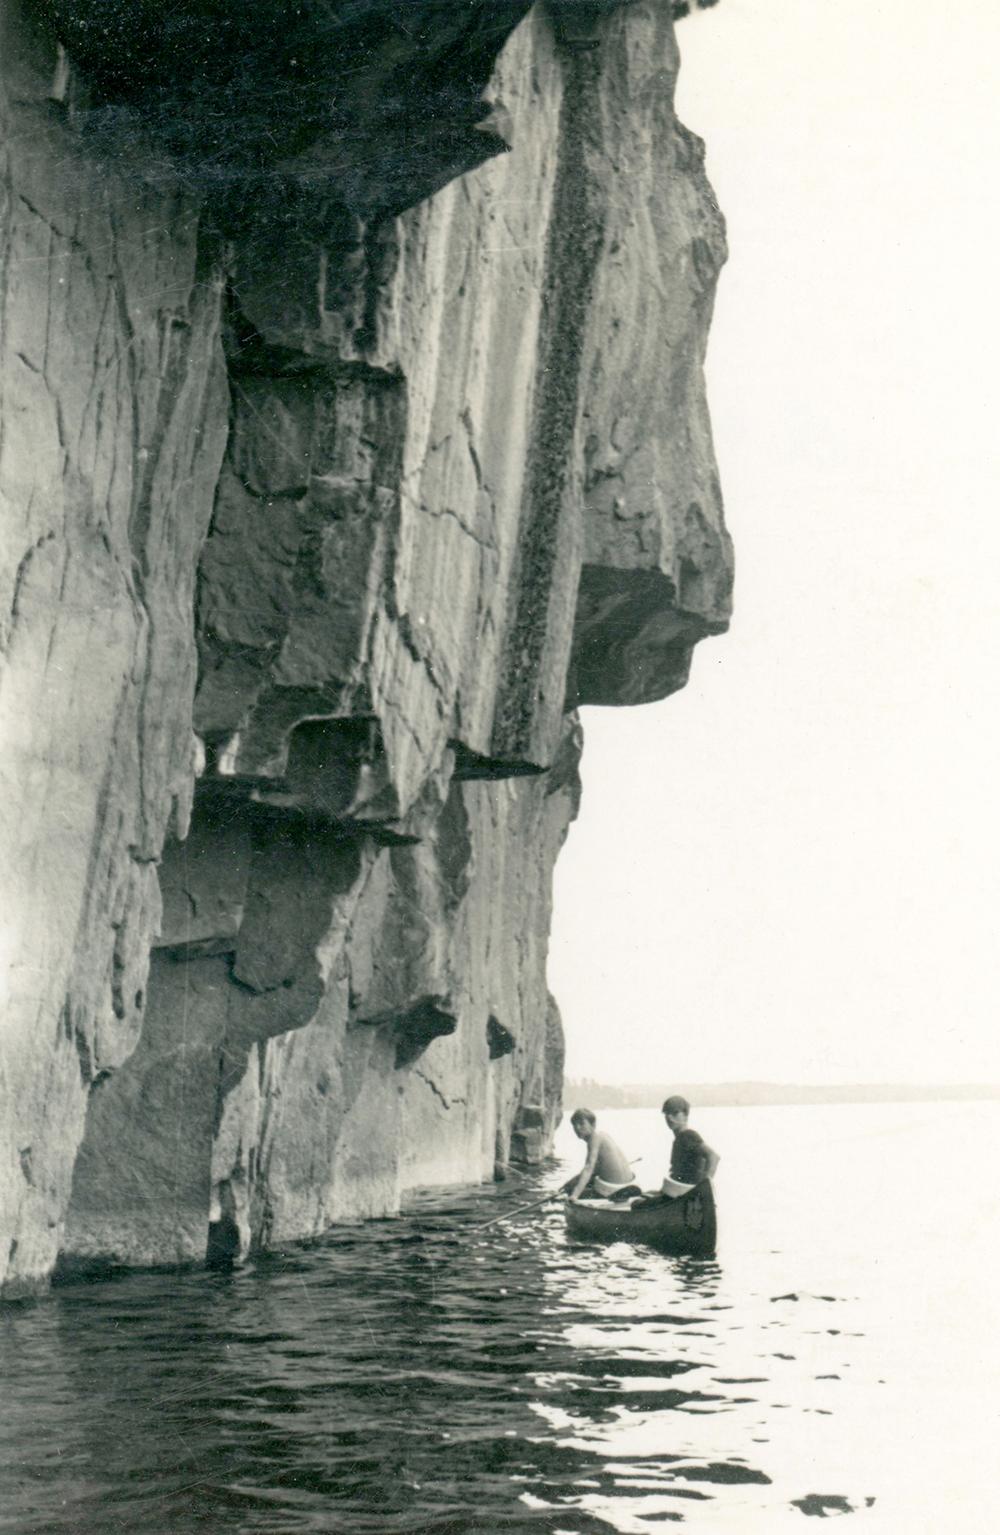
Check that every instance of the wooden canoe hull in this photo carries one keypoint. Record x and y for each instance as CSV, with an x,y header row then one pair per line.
x,y
682,1226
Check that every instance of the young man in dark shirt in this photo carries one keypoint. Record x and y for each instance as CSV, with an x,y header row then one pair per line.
x,y
691,1160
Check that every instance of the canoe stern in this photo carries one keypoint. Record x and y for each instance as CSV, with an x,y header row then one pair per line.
x,y
685,1226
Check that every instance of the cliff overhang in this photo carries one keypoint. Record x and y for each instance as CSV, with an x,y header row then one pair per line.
x,y
356,434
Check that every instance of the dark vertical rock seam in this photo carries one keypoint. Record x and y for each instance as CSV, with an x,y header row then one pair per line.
x,y
575,238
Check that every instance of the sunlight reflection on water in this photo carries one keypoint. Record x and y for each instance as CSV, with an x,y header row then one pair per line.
x,y
423,1377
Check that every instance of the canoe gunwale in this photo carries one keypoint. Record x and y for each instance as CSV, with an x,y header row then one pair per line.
x,y
685,1226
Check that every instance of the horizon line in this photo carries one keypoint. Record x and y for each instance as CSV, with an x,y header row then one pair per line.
x,y
647,1086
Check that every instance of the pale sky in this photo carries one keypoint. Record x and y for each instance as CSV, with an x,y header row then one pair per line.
x,y
789,871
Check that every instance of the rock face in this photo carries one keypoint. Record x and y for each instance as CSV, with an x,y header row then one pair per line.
x,y
346,450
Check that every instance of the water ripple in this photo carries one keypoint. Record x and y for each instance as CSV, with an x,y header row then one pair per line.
x,y
410,1377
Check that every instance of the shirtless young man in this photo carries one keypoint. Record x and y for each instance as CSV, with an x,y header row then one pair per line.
x,y
606,1170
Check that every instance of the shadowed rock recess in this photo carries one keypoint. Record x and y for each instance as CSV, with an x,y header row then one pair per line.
x,y
354,434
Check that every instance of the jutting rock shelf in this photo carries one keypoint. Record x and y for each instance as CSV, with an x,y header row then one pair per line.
x,y
354,435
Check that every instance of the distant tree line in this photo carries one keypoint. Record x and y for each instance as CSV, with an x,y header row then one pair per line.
x,y
585,1092
684,7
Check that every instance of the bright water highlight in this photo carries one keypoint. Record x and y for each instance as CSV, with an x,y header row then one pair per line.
x,y
420,1377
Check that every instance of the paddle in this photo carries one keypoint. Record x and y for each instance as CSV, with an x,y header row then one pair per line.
x,y
521,1210
535,1204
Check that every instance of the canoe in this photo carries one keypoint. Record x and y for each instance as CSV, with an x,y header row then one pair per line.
x,y
683,1225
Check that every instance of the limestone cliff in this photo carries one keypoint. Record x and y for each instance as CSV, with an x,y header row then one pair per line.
x,y
354,434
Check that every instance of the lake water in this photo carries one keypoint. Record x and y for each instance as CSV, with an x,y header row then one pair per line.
x,y
419,1377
